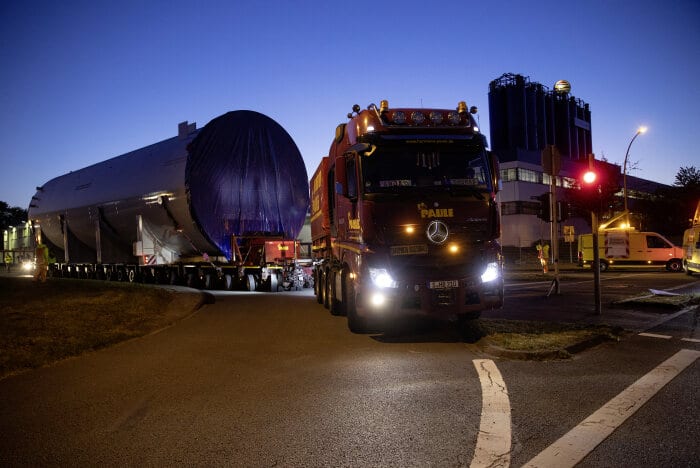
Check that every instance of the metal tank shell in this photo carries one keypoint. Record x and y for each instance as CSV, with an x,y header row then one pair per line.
x,y
240,175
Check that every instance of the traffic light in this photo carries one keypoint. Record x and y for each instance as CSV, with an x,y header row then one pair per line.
x,y
545,210
590,196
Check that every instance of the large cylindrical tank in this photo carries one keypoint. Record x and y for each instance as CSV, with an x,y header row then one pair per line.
x,y
240,175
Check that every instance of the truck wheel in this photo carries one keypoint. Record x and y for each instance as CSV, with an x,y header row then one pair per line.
x,y
273,282
327,280
318,288
603,266
334,305
250,282
674,265
356,324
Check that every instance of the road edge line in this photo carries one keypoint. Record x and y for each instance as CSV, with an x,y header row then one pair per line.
x,y
576,444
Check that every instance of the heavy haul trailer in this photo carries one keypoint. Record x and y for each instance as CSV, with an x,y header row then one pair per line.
x,y
404,217
219,206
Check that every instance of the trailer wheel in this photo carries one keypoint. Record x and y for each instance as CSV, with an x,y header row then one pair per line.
x,y
132,275
603,265
674,265
250,282
273,282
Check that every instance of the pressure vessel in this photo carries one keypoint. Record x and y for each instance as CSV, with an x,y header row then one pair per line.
x,y
191,196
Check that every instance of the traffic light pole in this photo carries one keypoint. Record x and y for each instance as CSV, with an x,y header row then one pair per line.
x,y
596,263
554,236
596,251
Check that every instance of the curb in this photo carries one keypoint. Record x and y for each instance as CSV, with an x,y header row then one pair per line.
x,y
545,355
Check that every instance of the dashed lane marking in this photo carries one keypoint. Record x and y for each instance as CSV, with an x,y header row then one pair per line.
x,y
493,442
692,340
654,335
573,446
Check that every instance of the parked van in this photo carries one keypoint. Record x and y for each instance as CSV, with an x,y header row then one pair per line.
x,y
691,245
628,248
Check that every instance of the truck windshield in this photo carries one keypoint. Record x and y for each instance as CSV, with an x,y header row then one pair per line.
x,y
410,168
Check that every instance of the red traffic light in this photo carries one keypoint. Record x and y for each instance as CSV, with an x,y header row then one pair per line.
x,y
589,177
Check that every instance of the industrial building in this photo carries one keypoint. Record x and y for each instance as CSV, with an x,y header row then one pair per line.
x,y
525,117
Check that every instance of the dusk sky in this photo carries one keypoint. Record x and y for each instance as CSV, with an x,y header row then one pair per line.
x,y
84,81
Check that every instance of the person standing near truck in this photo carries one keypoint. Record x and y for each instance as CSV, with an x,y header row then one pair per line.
x,y
8,261
42,262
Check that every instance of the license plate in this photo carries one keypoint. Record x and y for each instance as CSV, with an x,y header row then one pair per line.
x,y
443,284
417,249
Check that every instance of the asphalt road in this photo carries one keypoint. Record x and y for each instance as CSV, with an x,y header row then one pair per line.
x,y
274,380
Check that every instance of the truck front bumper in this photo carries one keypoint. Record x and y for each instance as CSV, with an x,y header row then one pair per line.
x,y
445,300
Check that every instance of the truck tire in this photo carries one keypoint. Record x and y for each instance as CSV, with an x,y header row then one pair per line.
x,y
356,324
674,265
603,265
318,288
273,282
326,288
334,305
250,282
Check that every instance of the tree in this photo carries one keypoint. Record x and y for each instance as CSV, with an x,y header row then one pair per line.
x,y
11,216
688,178
671,208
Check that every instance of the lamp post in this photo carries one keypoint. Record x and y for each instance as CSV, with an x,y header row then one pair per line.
x,y
640,130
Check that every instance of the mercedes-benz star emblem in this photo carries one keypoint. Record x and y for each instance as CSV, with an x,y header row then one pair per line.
x,y
437,232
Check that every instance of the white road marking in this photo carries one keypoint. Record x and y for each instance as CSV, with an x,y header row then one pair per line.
x,y
573,446
692,340
493,442
654,335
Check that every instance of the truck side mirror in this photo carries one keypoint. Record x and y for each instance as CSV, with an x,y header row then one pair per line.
x,y
494,168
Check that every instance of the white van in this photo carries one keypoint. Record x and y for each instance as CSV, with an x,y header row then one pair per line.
x,y
628,248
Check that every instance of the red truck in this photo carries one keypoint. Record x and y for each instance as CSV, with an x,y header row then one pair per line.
x,y
404,218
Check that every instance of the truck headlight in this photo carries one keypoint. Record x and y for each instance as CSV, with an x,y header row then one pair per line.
x,y
381,278
491,273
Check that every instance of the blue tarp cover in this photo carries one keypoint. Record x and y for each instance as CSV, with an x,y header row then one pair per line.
x,y
245,177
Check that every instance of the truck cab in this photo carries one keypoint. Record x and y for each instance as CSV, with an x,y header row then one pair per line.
x,y
404,217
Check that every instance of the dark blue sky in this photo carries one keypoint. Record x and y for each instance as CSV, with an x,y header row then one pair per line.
x,y
83,81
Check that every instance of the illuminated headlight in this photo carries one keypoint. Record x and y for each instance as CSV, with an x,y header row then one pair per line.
x,y
454,118
436,118
370,128
399,117
491,273
378,299
418,117
381,278
27,266
476,129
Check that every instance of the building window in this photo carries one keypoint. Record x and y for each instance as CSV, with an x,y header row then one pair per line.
x,y
527,175
520,207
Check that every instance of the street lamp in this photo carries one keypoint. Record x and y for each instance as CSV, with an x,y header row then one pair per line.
x,y
640,130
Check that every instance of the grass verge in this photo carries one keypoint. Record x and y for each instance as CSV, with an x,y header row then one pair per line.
x,y
675,302
544,338
46,322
